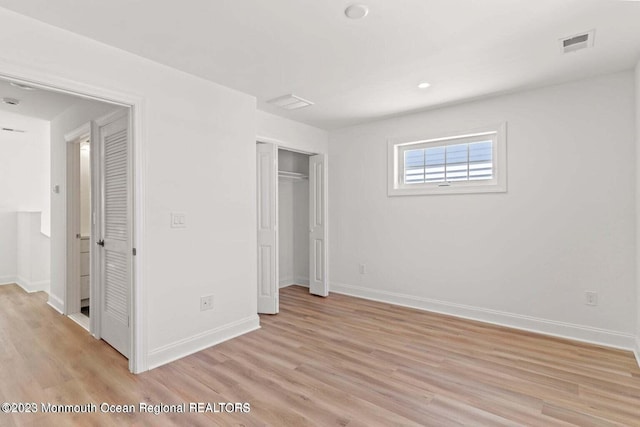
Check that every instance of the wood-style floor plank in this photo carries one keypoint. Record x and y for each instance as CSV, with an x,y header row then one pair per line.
x,y
336,361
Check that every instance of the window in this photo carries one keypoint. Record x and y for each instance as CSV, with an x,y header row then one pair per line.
x,y
470,162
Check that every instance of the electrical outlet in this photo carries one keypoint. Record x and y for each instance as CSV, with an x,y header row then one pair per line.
x,y
362,268
206,303
590,298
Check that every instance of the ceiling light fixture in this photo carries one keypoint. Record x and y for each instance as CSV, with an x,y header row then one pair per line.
x,y
424,85
356,11
22,86
11,101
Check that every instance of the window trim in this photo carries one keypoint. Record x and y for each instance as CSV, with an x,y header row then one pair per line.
x,y
498,184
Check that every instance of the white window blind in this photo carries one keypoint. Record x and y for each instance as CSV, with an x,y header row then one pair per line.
x,y
460,162
468,162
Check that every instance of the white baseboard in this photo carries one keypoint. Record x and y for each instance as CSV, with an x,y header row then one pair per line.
x,y
32,286
8,280
286,281
187,346
636,350
302,281
299,281
517,321
56,303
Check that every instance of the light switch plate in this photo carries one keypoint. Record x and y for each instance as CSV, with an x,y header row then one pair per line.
x,y
178,220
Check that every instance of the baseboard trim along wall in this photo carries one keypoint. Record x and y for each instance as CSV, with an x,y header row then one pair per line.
x,y
286,281
532,324
7,280
26,285
56,303
195,343
302,281
636,350
33,286
298,282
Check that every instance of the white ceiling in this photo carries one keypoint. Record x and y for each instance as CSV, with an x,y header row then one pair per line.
x,y
356,71
39,104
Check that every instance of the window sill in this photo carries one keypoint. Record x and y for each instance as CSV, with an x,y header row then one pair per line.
x,y
450,189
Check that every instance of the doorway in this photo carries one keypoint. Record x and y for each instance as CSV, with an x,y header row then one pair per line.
x,y
37,83
99,228
292,223
79,217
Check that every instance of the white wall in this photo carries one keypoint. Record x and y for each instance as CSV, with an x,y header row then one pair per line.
x,y
290,134
523,258
286,244
197,136
24,182
24,185
33,253
8,247
301,232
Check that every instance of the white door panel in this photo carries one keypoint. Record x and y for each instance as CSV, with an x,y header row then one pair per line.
x,y
267,175
318,280
115,232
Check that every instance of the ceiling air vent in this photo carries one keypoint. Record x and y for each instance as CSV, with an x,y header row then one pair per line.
x,y
13,130
290,102
577,42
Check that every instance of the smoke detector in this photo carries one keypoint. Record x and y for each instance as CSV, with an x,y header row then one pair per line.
x,y
11,101
356,11
290,102
577,42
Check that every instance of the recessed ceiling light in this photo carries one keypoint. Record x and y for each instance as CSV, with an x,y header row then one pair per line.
x,y
11,101
356,11
21,86
424,85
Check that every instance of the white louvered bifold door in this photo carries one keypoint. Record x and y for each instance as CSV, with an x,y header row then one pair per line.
x,y
318,270
115,225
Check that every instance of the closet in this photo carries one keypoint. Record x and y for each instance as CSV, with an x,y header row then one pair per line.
x,y
293,218
291,223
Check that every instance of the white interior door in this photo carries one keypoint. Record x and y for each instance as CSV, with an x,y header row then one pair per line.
x,y
114,240
318,271
267,172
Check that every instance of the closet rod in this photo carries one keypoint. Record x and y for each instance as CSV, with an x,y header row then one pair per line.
x,y
292,175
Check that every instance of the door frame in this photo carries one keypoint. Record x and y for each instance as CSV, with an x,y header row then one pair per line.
x,y
290,147
27,74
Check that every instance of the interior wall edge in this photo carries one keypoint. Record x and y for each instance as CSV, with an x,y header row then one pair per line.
x,y
56,303
7,280
553,328
185,347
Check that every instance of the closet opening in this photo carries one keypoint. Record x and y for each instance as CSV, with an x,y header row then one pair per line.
x,y
292,228
293,218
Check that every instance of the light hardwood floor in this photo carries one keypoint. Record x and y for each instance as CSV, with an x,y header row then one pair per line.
x,y
324,362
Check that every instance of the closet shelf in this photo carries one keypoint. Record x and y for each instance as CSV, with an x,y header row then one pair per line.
x,y
291,175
